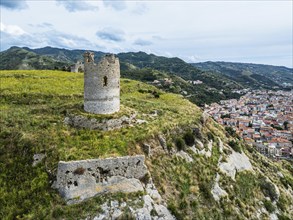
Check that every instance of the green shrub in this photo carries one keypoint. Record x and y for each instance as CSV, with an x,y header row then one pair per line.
x,y
205,191
197,133
169,146
269,206
282,203
231,131
174,210
210,136
268,189
283,217
235,146
189,138
153,212
180,144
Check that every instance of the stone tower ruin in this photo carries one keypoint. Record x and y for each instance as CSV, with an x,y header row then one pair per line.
x,y
101,84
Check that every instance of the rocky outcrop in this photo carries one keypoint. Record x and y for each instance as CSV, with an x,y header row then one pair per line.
x,y
149,210
79,180
236,162
184,156
38,158
217,191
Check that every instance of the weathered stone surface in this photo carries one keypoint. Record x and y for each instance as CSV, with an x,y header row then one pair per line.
x,y
38,158
199,144
184,156
204,117
217,191
80,121
163,212
163,142
153,192
236,162
203,151
79,180
150,210
101,84
221,146
147,149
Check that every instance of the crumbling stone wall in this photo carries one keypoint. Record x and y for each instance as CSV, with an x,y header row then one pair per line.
x,y
101,84
76,67
79,180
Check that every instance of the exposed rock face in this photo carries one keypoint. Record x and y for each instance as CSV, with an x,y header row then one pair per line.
x,y
149,210
101,84
199,144
162,142
184,156
236,162
38,158
217,191
79,180
80,121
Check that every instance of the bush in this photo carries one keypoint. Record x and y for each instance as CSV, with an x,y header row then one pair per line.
x,y
210,136
269,206
205,191
235,146
283,217
197,133
268,189
180,144
231,131
174,210
282,203
156,94
189,138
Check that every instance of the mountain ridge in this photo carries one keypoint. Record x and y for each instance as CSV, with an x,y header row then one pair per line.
x,y
270,75
215,82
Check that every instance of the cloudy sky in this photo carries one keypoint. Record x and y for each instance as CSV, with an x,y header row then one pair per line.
x,y
254,31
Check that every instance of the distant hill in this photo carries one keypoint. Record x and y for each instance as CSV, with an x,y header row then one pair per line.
x,y
218,79
251,75
21,58
70,56
140,66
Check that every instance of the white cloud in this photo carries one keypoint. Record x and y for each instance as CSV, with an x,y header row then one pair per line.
x,y
111,34
77,5
12,29
251,31
142,42
117,5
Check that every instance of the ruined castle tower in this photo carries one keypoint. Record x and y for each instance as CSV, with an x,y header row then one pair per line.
x,y
101,84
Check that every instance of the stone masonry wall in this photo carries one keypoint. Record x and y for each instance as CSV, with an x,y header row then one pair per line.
x,y
102,85
79,180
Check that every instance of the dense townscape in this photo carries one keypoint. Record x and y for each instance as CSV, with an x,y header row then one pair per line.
x,y
263,119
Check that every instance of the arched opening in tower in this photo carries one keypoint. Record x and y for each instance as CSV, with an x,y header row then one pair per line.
x,y
105,82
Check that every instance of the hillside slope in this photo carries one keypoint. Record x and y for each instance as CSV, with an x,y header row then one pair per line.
x,y
21,58
252,75
195,164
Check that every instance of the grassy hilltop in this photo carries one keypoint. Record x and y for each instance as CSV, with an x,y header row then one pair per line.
x,y
33,107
